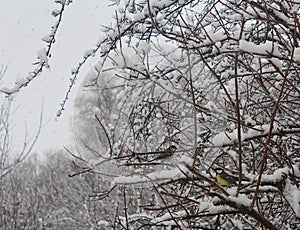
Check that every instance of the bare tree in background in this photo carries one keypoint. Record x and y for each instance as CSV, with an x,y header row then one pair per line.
x,y
8,158
40,195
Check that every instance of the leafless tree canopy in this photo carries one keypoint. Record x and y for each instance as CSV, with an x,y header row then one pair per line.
x,y
220,79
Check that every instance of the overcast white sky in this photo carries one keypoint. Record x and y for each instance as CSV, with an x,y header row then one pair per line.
x,y
23,24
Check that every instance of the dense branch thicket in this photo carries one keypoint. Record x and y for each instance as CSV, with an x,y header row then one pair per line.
x,y
219,79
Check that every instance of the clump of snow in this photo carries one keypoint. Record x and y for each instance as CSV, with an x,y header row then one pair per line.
x,y
204,205
55,13
297,55
143,47
249,120
276,176
159,116
296,197
179,172
241,199
167,219
238,224
88,53
263,49
30,76
292,194
230,138
295,8
103,223
60,1
42,56
7,90
74,71
231,191
120,60
297,168
222,139
211,105
47,38
104,47
21,81
135,61
277,62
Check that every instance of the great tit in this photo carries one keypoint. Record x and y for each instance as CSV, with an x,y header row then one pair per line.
x,y
223,178
166,154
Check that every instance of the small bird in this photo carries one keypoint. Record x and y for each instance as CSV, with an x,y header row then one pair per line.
x,y
166,154
223,178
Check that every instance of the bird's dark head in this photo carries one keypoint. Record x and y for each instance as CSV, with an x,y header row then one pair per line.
x,y
173,148
219,170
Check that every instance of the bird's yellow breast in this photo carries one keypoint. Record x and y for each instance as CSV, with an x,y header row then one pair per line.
x,y
221,180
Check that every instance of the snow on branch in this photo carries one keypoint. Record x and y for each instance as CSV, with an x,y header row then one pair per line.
x,y
224,139
220,81
43,55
